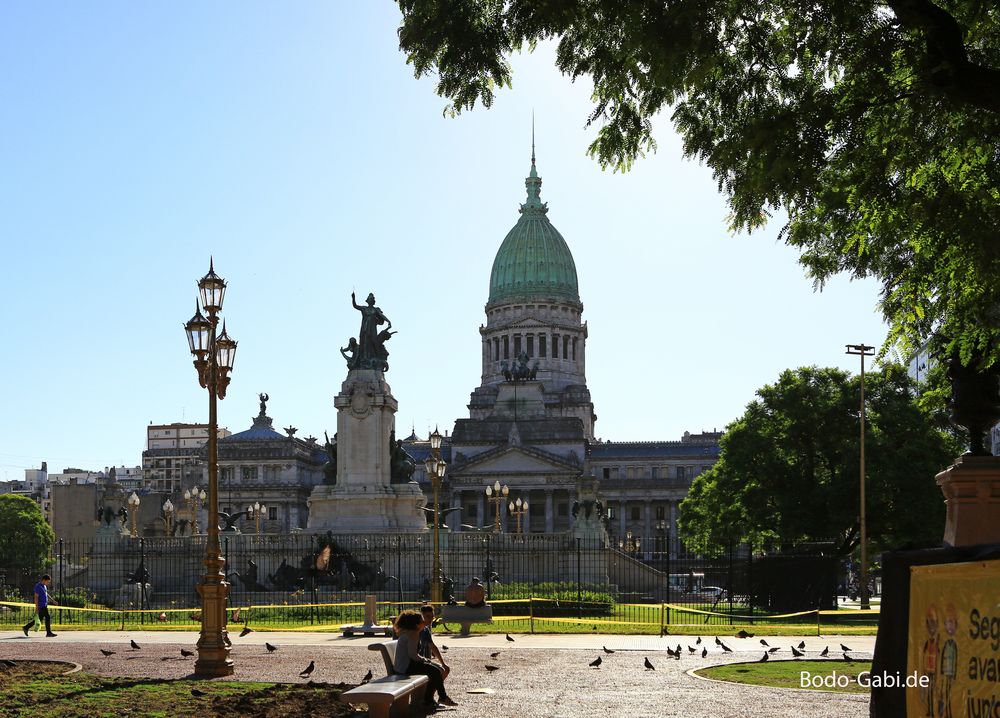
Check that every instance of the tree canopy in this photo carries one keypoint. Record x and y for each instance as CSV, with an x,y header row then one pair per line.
x,y
789,467
25,539
874,126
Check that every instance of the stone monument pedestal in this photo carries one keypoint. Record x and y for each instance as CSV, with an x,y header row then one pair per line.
x,y
971,488
364,499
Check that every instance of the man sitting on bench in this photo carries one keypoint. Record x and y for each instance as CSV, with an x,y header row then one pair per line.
x,y
475,594
409,662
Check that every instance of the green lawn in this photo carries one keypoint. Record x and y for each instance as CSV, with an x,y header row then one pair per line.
x,y
37,690
787,674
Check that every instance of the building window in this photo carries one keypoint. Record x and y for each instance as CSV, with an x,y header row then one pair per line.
x,y
496,348
565,347
506,347
635,513
249,473
517,345
555,346
472,511
531,345
611,513
562,509
607,472
574,348
680,472
541,345
661,513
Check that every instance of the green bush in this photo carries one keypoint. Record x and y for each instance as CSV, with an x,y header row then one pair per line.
x,y
77,597
562,599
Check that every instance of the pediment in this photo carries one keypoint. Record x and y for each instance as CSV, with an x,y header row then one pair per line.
x,y
515,459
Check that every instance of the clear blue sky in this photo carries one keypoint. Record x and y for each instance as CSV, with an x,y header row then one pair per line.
x,y
291,141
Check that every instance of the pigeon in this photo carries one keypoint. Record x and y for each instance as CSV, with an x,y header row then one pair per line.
x,y
764,643
607,650
135,646
198,693
847,658
704,652
307,671
844,648
725,648
825,652
107,654
492,668
743,634
691,650
495,655
670,652
663,631
698,642
368,677
649,666
764,657
596,663
444,647
509,638
802,645
797,653
270,648
245,631
678,650
162,617
773,650
717,641
186,653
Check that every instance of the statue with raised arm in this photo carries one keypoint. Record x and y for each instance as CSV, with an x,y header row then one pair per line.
x,y
370,352
263,403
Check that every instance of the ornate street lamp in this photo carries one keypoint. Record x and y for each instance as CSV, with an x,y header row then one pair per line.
x,y
435,467
630,545
168,516
133,501
214,356
497,494
194,501
518,509
258,513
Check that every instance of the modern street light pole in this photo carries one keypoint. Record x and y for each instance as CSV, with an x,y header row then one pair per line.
x,y
214,357
435,468
863,350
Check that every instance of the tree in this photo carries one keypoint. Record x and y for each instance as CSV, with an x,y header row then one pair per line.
x,y
788,468
25,540
875,126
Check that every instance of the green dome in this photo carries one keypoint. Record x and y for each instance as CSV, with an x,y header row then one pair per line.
x,y
534,261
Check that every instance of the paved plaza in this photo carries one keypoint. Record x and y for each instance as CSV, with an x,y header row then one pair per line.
x,y
540,675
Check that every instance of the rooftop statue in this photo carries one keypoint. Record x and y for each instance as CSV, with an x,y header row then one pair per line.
x,y
368,351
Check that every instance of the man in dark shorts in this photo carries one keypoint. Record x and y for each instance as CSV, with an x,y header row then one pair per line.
x,y
429,650
42,601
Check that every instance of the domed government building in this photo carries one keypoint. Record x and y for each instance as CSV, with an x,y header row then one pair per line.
x,y
531,420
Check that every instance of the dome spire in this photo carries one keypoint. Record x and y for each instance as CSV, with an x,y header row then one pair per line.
x,y
533,182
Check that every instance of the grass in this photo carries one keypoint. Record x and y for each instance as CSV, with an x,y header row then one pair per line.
x,y
787,674
37,690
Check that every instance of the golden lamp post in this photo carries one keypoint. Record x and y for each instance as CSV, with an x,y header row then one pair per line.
x,y
435,467
213,358
497,494
168,516
518,509
258,513
133,502
194,501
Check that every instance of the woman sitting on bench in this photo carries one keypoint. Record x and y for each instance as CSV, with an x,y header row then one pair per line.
x,y
409,662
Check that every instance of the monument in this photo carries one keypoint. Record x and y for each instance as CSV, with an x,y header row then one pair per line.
x,y
367,486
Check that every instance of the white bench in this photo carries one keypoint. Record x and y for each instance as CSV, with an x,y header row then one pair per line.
x,y
389,696
465,616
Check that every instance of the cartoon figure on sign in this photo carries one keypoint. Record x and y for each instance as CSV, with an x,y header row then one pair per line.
x,y
930,655
949,662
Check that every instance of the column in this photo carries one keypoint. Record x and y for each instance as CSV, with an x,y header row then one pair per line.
x,y
549,513
621,519
673,528
455,517
647,529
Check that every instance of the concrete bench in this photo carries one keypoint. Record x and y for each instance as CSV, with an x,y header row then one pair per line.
x,y
389,696
465,616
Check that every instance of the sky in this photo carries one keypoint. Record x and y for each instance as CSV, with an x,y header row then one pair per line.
x,y
292,143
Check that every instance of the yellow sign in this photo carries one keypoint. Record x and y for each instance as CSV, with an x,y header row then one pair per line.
x,y
954,641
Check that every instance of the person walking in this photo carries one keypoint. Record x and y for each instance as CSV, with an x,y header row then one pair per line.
x,y
409,662
42,601
429,650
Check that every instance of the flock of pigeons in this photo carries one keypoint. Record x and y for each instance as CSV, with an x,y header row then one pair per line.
x,y
675,653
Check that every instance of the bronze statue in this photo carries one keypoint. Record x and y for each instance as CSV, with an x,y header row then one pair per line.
x,y
330,467
263,403
369,351
123,516
401,464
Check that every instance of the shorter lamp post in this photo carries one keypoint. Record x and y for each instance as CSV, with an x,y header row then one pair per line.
x,y
518,509
258,513
168,516
133,501
435,468
497,494
194,499
629,545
